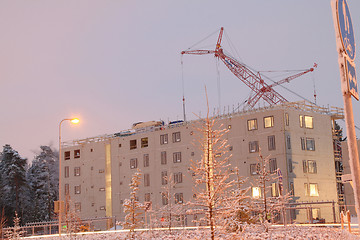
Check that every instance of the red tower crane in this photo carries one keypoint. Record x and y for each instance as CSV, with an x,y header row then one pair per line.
x,y
253,80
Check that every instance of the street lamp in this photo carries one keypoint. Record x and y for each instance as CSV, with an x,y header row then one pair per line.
x,y
74,121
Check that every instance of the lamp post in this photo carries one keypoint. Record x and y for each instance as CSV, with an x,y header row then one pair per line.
x,y
74,121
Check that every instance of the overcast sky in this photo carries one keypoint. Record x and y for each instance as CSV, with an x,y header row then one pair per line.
x,y
112,62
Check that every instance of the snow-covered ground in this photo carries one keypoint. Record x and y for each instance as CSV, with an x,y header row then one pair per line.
x,y
250,232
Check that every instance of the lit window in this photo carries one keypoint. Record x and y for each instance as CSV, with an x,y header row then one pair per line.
x,y
256,192
146,160
311,189
77,171
146,179
176,137
301,120
163,139
310,144
287,119
253,146
67,155
312,166
309,122
77,189
271,142
133,163
144,142
268,122
177,157
315,213
66,172
164,178
77,153
163,158
274,190
133,144
252,124
179,198
178,177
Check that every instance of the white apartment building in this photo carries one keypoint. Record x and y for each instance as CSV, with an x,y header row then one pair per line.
x,y
297,137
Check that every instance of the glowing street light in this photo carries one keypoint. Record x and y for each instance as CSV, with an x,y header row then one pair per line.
x,y
74,121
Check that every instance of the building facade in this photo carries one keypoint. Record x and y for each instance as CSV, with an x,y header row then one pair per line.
x,y
297,137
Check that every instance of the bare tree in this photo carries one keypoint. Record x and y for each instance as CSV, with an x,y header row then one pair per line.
x,y
3,221
211,173
132,207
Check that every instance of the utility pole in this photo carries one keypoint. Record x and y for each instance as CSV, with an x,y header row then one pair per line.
x,y
345,43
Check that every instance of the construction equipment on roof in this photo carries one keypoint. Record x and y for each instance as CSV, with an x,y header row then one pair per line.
x,y
252,79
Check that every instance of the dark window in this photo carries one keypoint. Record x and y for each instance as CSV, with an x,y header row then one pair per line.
x,y
311,166
67,155
146,179
254,169
133,163
304,166
66,172
146,160
163,158
164,198
271,142
178,177
164,178
292,192
288,141
77,153
179,198
272,165
302,143
177,157
147,197
77,207
163,139
253,146
133,144
144,142
77,171
310,144
290,165
77,189
176,137
67,192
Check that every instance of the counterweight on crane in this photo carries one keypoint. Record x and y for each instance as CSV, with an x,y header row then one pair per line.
x,y
251,79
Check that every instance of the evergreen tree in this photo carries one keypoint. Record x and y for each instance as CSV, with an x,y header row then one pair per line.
x,y
42,178
13,176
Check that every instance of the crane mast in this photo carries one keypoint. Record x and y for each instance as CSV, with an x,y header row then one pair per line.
x,y
251,79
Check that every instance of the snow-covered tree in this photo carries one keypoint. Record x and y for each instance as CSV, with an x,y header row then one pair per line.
x,y
15,232
43,180
132,207
13,180
212,174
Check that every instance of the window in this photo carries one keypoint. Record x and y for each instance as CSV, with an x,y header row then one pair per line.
x,y
102,208
252,124
254,169
272,165
309,166
147,197
311,189
77,189
290,165
133,163
163,139
67,155
312,166
288,142
66,172
253,146
164,199
274,190
255,192
163,158
133,144
67,191
77,207
146,160
144,142
303,145
101,170
308,122
179,198
164,178
77,153
268,122
177,157
315,213
287,119
176,137
146,180
301,119
292,191
310,144
77,171
271,142
178,177
102,189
